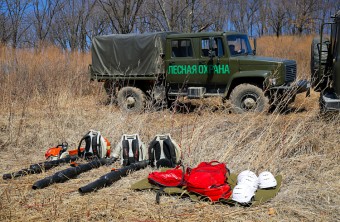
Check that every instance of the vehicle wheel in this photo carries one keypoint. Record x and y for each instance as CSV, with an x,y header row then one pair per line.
x,y
131,99
319,82
248,98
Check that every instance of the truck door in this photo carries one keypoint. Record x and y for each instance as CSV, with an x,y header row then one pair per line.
x,y
181,62
213,63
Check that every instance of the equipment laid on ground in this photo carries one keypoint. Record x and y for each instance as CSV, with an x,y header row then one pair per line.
x,y
260,196
325,66
39,167
248,178
207,179
130,149
113,176
266,180
60,152
248,184
170,178
164,151
70,173
95,145
242,194
245,173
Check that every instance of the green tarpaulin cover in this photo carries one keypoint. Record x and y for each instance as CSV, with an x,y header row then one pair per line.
x,y
128,54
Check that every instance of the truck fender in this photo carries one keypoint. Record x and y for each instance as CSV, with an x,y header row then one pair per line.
x,y
245,77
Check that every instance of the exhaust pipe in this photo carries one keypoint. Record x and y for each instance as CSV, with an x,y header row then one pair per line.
x,y
113,176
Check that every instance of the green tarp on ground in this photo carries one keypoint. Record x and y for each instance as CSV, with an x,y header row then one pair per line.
x,y
261,196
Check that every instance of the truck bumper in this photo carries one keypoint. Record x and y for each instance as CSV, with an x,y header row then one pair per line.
x,y
289,92
299,87
329,101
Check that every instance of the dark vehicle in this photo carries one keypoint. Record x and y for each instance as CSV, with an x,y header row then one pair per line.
x,y
163,66
325,66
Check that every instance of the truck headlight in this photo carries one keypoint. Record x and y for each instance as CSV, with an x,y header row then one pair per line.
x,y
272,81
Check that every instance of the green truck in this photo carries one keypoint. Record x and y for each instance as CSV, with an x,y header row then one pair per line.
x,y
325,66
160,67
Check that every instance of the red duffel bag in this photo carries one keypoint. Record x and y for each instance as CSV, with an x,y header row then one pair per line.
x,y
170,178
209,179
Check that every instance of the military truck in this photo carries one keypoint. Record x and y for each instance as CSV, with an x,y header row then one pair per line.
x,y
164,66
325,66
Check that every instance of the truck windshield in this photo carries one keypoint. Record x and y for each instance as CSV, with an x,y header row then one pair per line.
x,y
239,45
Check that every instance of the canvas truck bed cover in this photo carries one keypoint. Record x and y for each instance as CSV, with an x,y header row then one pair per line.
x,y
128,55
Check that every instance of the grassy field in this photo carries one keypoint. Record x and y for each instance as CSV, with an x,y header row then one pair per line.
x,y
46,98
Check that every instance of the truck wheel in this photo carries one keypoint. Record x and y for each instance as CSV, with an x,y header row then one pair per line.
x,y
248,98
131,99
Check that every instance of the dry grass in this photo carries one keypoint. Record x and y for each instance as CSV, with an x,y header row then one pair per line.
x,y
46,99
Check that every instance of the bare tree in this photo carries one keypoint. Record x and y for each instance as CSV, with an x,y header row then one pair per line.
x,y
244,12
71,24
302,13
98,23
4,24
44,13
122,14
220,18
70,27
262,17
16,10
277,16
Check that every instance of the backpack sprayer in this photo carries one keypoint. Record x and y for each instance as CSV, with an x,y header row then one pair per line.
x,y
97,151
163,151
96,146
55,156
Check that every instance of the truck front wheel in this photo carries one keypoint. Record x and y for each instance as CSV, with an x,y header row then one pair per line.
x,y
248,98
131,99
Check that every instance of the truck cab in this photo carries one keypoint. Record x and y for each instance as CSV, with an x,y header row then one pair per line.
x,y
223,64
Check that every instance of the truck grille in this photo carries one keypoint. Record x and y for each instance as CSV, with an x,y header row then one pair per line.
x,y
290,72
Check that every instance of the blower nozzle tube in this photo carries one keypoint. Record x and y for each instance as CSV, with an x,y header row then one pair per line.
x,y
113,176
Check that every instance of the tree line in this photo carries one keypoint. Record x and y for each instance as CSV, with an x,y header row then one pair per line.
x,y
70,24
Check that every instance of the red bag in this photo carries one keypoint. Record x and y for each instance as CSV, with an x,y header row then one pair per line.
x,y
170,178
208,179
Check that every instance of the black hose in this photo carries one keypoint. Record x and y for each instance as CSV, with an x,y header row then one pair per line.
x,y
113,176
69,173
39,167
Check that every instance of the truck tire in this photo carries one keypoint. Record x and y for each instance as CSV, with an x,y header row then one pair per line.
x,y
248,98
131,99
317,80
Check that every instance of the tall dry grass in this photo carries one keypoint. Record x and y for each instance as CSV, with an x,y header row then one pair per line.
x,y
46,98
290,47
